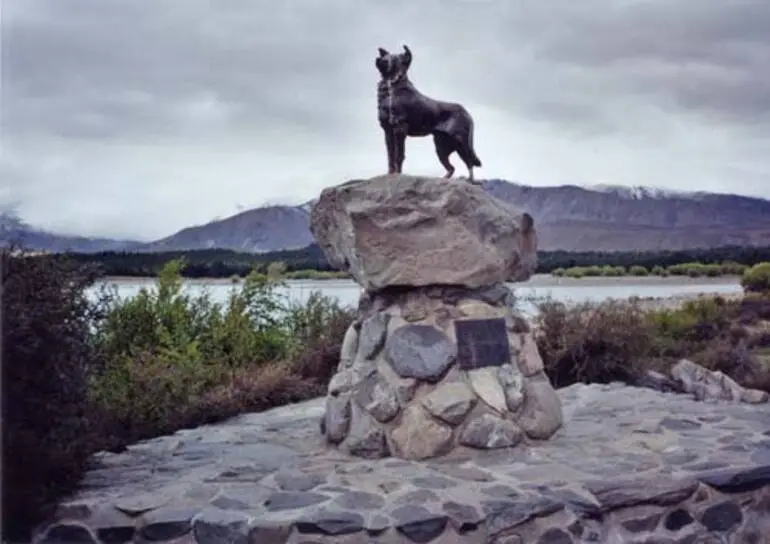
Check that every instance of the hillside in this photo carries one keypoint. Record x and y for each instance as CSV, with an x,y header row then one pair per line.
x,y
15,231
570,218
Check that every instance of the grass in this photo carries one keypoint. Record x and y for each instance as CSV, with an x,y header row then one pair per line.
x,y
692,270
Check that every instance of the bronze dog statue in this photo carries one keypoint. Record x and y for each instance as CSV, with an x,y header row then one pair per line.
x,y
404,111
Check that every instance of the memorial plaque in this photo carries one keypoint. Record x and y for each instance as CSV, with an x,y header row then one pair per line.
x,y
482,342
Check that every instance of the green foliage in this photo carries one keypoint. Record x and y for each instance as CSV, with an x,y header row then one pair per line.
x,y
638,270
222,263
46,352
757,278
622,339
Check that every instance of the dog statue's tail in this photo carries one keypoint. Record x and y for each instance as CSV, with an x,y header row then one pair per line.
x,y
475,161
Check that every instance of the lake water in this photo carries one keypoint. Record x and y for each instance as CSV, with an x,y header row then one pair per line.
x,y
562,289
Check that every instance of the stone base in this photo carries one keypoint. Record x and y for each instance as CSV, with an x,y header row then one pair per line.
x,y
631,465
407,386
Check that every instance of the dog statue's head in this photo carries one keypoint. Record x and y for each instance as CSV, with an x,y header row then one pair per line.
x,y
392,66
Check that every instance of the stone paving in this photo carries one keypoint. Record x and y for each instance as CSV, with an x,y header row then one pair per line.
x,y
629,465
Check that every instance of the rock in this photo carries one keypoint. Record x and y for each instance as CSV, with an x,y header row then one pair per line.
x,y
709,385
418,436
754,396
449,402
487,386
419,351
349,347
336,420
215,525
372,335
513,386
348,378
529,360
366,438
490,432
377,397
541,414
658,381
417,231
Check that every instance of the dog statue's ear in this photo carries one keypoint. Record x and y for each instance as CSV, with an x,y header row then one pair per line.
x,y
382,51
407,56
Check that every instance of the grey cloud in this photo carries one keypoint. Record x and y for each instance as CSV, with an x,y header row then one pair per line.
x,y
285,90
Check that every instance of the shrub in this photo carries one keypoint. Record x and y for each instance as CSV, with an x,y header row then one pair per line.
x,y
757,278
658,270
613,271
47,353
558,272
638,270
592,342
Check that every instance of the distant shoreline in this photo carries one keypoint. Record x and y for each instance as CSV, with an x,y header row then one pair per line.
x,y
538,280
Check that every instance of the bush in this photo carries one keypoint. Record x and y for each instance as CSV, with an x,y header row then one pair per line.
x,y
638,270
47,353
619,340
166,351
757,278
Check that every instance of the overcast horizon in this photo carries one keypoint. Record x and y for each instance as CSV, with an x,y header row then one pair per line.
x,y
136,119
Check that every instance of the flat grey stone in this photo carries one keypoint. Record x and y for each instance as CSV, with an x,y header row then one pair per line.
x,y
555,536
420,351
722,517
291,500
416,497
215,526
679,424
642,524
333,523
359,500
166,523
677,520
74,533
433,482
660,491
298,481
418,524
372,335
462,513
490,432
504,514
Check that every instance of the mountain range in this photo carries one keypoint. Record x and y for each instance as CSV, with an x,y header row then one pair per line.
x,y
568,217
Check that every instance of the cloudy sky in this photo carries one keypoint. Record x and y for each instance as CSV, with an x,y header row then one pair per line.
x,y
136,118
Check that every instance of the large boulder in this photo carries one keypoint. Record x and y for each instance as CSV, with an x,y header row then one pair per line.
x,y
399,230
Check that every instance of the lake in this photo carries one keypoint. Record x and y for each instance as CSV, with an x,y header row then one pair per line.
x,y
562,289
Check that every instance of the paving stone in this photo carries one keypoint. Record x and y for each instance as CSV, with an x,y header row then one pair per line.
x,y
328,522
416,497
433,482
298,481
555,536
642,524
74,533
166,523
359,500
418,524
660,491
213,526
678,424
722,517
462,513
419,351
677,520
289,500
504,514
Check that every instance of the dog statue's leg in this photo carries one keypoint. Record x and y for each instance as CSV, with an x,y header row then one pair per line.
x,y
399,136
390,146
444,148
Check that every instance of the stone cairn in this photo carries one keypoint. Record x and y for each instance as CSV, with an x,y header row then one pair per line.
x,y
436,359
